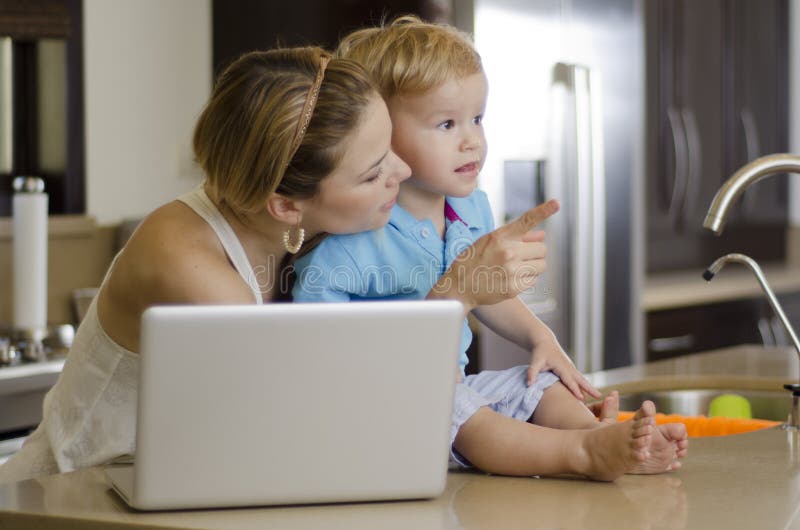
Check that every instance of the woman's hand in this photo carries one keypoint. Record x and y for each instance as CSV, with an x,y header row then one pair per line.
x,y
500,265
548,355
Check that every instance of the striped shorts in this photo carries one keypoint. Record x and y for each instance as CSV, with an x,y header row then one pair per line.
x,y
504,391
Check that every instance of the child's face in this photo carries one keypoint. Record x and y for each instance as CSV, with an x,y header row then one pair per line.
x,y
439,134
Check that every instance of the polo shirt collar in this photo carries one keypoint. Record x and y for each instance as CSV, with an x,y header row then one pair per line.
x,y
404,221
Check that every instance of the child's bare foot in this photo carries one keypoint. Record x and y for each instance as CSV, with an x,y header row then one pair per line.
x,y
668,444
609,408
618,448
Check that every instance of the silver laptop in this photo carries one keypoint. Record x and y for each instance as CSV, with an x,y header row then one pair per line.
x,y
292,403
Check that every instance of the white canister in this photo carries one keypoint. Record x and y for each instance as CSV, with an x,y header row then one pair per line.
x,y
29,269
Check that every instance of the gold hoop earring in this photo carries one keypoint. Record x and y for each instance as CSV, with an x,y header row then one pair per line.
x,y
293,248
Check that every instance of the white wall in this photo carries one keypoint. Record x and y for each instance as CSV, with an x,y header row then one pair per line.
x,y
147,74
794,105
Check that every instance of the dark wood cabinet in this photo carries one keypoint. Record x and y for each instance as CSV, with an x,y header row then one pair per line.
x,y
757,121
717,97
240,26
684,330
694,329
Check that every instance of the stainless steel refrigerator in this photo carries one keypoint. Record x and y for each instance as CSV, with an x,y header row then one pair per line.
x,y
565,120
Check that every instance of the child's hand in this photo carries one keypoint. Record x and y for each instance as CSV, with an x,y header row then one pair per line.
x,y
515,255
548,355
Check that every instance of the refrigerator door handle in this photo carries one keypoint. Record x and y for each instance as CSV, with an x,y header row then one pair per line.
x,y
590,221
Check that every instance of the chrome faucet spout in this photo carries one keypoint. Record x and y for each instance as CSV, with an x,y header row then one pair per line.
x,y
715,267
743,178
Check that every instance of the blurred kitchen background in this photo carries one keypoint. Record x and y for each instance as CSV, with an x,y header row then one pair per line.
x,y
631,112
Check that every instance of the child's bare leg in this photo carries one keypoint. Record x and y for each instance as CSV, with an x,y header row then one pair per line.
x,y
559,409
498,444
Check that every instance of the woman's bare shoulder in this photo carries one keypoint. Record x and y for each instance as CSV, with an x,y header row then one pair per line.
x,y
175,257
173,225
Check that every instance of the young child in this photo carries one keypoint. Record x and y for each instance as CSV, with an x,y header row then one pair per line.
x,y
513,421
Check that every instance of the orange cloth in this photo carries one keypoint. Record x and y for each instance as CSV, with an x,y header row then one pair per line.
x,y
698,426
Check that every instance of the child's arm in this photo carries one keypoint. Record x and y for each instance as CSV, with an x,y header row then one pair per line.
x,y
513,320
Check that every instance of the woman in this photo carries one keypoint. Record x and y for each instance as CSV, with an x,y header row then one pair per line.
x,y
294,144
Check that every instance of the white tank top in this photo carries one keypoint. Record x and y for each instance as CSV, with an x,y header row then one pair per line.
x,y
89,416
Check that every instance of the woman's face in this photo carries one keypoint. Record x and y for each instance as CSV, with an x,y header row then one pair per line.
x,y
359,194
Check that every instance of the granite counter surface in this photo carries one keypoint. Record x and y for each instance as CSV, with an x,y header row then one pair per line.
x,y
748,481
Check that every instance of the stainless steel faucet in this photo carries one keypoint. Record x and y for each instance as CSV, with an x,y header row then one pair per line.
x,y
773,300
739,181
793,422
715,221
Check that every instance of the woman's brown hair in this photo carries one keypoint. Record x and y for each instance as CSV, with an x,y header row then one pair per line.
x,y
243,138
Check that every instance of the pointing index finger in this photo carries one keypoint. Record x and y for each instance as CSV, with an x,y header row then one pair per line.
x,y
530,219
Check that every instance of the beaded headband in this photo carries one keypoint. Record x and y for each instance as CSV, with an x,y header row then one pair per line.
x,y
308,107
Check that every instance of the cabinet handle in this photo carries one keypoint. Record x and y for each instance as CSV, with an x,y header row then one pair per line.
x,y
694,155
767,331
679,179
751,140
778,332
753,149
667,344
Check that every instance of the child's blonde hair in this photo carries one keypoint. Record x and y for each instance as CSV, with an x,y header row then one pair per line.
x,y
409,56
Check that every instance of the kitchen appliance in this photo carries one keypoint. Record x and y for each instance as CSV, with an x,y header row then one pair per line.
x,y
565,120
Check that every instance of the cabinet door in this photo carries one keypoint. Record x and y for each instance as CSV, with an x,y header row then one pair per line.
x,y
666,142
758,99
701,111
684,113
694,329
685,43
716,87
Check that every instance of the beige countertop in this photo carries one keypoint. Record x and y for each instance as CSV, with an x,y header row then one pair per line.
x,y
734,282
742,367
747,481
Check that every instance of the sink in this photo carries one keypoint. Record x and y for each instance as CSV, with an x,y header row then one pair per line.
x,y
766,405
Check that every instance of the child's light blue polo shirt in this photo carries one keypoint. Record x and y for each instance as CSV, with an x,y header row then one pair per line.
x,y
400,261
